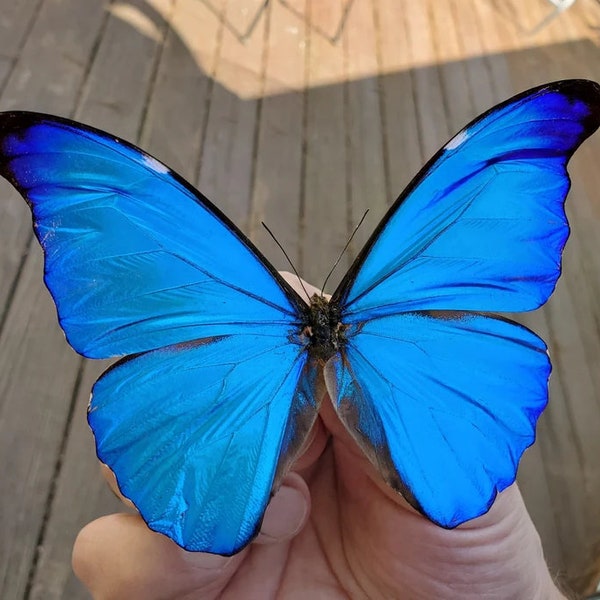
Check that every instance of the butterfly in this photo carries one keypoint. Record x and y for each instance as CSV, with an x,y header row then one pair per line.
x,y
217,390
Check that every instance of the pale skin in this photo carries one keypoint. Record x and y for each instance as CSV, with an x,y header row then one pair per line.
x,y
333,530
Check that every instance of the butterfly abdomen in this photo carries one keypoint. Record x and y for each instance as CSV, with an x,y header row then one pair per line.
x,y
324,328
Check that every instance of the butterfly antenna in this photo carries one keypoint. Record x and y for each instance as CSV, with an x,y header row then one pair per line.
x,y
337,262
288,258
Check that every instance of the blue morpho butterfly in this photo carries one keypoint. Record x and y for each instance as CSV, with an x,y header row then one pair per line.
x,y
205,415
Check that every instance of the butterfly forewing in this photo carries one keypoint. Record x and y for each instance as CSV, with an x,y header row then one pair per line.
x,y
482,227
136,259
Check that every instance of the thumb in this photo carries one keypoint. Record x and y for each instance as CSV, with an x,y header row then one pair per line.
x,y
117,557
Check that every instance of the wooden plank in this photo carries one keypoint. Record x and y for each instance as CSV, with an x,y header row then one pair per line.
x,y
324,204
431,117
32,412
452,66
404,154
585,18
277,177
176,115
242,20
81,496
53,61
468,38
15,23
114,97
565,438
364,136
533,476
226,155
114,100
329,24
6,65
35,407
45,78
491,29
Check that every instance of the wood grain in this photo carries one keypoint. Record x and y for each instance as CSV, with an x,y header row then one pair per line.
x,y
324,215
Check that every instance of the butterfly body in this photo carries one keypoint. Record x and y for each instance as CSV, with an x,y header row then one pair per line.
x,y
225,360
324,328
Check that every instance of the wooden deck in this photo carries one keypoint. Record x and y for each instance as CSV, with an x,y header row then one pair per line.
x,y
276,120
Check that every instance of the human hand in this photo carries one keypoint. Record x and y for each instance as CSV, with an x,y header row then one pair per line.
x,y
333,530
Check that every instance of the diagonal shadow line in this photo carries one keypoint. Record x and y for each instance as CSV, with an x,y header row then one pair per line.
x,y
242,36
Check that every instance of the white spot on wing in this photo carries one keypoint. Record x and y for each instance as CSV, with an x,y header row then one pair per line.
x,y
457,140
155,165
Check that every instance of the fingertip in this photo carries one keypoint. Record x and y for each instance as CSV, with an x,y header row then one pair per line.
x,y
81,556
96,551
304,289
287,512
117,556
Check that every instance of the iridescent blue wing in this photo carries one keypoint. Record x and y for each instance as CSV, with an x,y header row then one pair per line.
x,y
442,402
482,226
200,433
200,427
443,405
135,258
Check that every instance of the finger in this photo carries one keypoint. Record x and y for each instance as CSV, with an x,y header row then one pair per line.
x,y
287,512
118,557
296,282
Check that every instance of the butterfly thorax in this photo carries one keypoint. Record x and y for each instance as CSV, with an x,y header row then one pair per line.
x,y
324,329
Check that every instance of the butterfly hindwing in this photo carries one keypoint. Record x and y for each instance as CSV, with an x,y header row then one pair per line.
x,y
443,404
195,433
